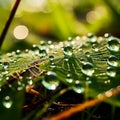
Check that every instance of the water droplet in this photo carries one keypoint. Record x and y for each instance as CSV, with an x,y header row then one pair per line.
x,y
88,56
18,52
42,53
68,51
92,38
20,86
88,80
26,50
87,69
107,81
78,87
113,45
5,65
1,63
113,61
51,58
29,80
69,78
35,49
43,45
50,81
7,102
5,72
111,72
82,60
52,65
95,47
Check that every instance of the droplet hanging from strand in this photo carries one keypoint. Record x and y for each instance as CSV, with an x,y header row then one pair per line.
x,y
50,81
7,102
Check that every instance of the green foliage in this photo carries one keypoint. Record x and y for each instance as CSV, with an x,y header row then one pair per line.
x,y
87,65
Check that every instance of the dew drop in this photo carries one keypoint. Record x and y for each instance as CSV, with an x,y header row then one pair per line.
x,y
92,38
78,87
69,78
5,72
107,35
18,52
113,61
51,58
113,45
5,65
111,72
52,65
50,81
7,102
87,69
82,60
68,51
26,50
42,53
20,86
36,49
1,63
29,80
43,44
95,47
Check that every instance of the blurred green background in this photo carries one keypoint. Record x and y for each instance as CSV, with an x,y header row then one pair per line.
x,y
56,20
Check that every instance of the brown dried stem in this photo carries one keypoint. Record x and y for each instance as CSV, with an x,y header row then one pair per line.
x,y
81,107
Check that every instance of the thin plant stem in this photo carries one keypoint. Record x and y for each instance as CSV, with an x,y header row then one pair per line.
x,y
7,25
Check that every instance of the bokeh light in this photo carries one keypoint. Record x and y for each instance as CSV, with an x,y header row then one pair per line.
x,y
20,32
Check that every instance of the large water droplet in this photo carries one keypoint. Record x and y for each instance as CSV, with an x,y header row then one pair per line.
x,y
50,81
68,51
78,87
111,72
113,45
113,61
7,102
87,69
92,38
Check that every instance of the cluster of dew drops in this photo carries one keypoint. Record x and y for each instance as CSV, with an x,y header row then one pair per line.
x,y
87,50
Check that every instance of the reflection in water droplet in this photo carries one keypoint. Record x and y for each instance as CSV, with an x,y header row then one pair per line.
x,y
92,38
113,45
111,72
113,61
87,69
7,102
50,81
68,51
78,87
